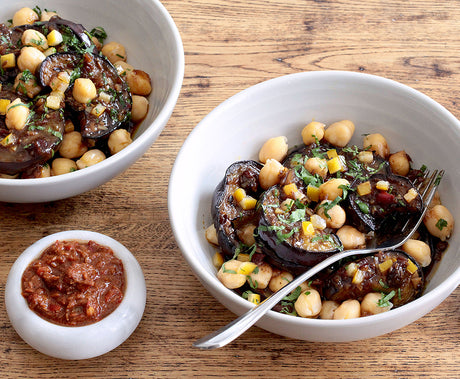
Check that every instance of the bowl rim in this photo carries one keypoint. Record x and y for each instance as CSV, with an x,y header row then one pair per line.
x,y
435,296
134,298
138,143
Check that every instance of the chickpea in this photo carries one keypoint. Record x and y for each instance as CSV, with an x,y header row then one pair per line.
x,y
399,163
61,166
46,15
370,304
339,133
348,309
139,82
123,68
24,16
6,176
84,90
17,114
376,142
246,234
418,250
439,222
274,148
91,157
139,108
72,145
211,235
330,190
118,140
312,130
308,304
271,173
114,52
279,280
316,166
228,274
30,58
262,276
327,309
44,171
337,215
34,38
351,237
27,84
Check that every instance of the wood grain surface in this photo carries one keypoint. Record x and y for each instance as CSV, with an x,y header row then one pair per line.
x,y
229,46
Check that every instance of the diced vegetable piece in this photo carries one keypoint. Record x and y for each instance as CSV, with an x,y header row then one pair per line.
x,y
54,38
365,156
332,153
49,51
411,266
385,265
364,188
318,222
410,195
382,185
54,99
254,298
307,228
239,194
358,277
104,96
243,257
98,110
248,203
336,164
7,140
313,192
3,105
351,269
8,60
246,268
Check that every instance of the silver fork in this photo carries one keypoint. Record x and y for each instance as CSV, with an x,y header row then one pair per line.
x,y
234,329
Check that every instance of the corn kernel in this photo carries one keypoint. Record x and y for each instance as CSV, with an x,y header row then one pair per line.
x,y
411,266
410,195
98,110
254,298
336,164
364,188
358,277
246,268
243,257
366,156
239,194
54,38
3,105
382,185
385,265
307,228
8,60
248,203
218,260
332,153
313,192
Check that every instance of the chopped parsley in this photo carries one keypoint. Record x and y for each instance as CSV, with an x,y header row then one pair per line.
x,y
441,224
384,301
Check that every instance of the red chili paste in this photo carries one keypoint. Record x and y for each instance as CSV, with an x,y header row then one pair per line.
x,y
74,283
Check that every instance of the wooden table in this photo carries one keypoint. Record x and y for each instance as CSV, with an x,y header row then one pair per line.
x,y
229,46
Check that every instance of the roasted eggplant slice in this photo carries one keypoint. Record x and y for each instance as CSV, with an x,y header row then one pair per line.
x,y
34,144
383,203
228,215
281,232
391,272
108,110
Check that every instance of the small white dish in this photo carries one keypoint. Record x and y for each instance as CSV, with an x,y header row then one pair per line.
x,y
238,127
76,342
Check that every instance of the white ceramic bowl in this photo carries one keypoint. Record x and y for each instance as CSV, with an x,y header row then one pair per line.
x,y
84,341
153,44
236,130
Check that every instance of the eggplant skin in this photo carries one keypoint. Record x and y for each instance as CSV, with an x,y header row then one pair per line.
x,y
227,215
407,286
382,211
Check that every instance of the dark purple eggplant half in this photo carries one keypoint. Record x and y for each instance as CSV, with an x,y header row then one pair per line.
x,y
382,272
384,212
106,79
33,145
227,215
280,233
